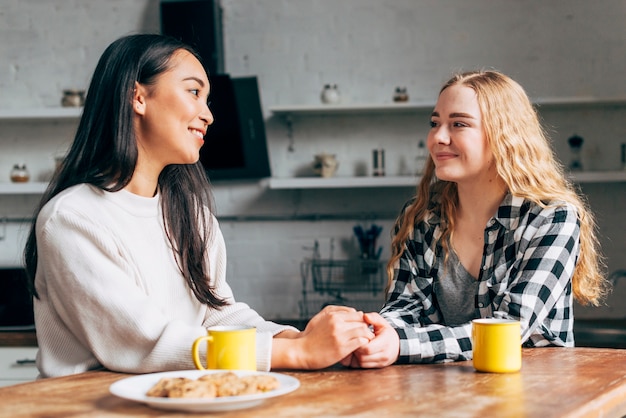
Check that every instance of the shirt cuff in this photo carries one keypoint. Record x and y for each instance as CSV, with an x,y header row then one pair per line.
x,y
264,351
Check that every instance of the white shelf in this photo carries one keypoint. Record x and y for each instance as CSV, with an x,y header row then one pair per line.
x,y
408,107
23,188
579,101
276,183
340,182
599,176
59,112
43,113
410,181
345,109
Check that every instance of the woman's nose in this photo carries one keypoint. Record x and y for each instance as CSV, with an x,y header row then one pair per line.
x,y
207,116
442,136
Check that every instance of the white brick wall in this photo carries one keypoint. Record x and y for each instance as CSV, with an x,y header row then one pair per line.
x,y
562,48
51,45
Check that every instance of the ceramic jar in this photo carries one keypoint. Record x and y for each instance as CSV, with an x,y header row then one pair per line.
x,y
330,94
400,95
325,165
19,173
73,98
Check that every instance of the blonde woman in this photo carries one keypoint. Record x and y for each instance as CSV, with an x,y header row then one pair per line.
x,y
495,229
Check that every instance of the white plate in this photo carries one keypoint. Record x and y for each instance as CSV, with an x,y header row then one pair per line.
x,y
135,388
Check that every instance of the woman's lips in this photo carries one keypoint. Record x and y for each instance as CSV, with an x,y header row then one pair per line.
x,y
197,132
444,156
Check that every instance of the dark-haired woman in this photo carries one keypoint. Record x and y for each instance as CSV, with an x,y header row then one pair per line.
x,y
126,259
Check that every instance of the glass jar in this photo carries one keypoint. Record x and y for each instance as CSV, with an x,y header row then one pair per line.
x,y
19,173
422,156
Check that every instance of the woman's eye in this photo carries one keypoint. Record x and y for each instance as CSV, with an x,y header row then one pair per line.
x,y
195,92
459,125
432,123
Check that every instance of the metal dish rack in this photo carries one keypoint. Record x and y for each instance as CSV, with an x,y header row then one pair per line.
x,y
336,276
364,280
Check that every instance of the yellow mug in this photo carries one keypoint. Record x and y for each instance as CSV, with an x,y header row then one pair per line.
x,y
497,345
228,348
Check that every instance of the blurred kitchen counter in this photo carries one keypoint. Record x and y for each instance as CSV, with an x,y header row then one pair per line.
x,y
18,339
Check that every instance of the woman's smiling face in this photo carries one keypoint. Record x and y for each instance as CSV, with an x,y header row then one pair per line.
x,y
173,115
457,140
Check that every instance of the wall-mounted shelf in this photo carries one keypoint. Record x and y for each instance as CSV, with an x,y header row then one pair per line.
x,y
43,113
340,182
276,183
579,102
411,181
599,176
30,187
408,107
350,109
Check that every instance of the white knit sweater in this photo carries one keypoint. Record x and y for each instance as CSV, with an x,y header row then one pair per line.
x,y
111,295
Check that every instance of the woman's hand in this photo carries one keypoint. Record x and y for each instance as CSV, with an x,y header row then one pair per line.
x,y
329,337
382,351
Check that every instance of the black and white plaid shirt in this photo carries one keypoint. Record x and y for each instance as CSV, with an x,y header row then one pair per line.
x,y
528,261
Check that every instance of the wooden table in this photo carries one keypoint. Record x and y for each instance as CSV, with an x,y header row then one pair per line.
x,y
554,382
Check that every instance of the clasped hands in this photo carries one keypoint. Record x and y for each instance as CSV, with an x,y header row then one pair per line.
x,y
353,338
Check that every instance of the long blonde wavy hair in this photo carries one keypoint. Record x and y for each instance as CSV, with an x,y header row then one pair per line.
x,y
527,164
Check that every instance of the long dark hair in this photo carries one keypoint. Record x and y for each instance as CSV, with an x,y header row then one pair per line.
x,y
104,154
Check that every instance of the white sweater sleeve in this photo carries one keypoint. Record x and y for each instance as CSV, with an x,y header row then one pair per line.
x,y
238,313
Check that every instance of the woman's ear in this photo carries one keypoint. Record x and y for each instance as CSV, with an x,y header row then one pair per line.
x,y
139,99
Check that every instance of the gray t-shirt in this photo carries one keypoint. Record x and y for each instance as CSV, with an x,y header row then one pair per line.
x,y
456,290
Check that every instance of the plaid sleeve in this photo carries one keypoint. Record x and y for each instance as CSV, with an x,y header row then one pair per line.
x,y
411,311
539,292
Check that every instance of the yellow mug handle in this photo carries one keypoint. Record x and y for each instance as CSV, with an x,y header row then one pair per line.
x,y
195,353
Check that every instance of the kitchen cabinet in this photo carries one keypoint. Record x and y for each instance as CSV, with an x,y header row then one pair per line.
x,y
288,113
17,365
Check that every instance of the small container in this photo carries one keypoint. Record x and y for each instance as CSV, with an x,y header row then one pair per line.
x,y
19,173
73,98
330,94
575,144
400,95
422,155
624,156
378,162
325,165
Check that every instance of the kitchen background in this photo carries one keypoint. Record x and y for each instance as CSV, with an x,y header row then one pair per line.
x,y
570,54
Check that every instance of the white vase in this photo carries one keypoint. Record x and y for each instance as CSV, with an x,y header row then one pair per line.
x,y
330,94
